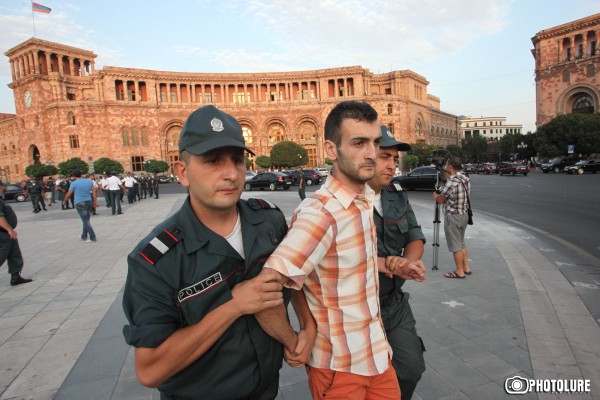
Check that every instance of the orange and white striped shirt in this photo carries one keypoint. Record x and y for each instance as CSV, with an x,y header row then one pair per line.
x,y
331,252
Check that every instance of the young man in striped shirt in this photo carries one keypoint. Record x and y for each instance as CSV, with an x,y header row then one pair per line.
x,y
330,252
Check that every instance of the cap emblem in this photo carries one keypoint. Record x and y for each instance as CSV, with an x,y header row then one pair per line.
x,y
217,125
390,134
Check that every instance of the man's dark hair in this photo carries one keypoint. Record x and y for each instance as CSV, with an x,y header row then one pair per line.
x,y
77,173
455,162
346,110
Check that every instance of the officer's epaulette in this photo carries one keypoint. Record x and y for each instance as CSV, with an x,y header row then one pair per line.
x,y
395,186
258,204
159,246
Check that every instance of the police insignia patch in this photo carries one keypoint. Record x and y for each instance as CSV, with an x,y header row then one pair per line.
x,y
395,187
257,204
217,125
158,246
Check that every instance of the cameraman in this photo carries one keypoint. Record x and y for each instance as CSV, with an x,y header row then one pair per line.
x,y
454,198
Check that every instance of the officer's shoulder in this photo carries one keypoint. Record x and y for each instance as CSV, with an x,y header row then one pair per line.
x,y
257,204
394,187
163,238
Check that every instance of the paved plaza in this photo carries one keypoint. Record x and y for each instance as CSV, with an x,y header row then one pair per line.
x,y
516,315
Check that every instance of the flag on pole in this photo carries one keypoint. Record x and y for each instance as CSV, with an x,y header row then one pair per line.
x,y
36,7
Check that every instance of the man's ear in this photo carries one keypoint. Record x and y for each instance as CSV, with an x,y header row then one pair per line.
x,y
331,150
180,169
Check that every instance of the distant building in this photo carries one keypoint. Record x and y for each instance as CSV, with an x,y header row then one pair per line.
x,y
567,62
490,128
66,108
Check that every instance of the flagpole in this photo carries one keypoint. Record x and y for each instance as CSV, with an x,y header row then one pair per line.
x,y
33,18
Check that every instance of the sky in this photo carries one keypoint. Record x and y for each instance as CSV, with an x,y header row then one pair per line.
x,y
476,55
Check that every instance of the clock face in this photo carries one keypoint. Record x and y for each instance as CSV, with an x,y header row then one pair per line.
x,y
28,99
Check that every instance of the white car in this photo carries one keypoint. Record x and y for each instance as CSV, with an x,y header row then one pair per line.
x,y
323,171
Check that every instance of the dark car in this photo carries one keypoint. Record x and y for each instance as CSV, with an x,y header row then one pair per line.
x,y
269,180
487,168
14,192
581,167
163,179
420,178
513,169
557,164
311,177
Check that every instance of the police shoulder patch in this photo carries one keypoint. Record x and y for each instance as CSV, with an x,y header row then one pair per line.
x,y
160,245
395,186
258,204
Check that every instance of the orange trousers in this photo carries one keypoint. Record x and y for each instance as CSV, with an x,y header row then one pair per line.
x,y
326,384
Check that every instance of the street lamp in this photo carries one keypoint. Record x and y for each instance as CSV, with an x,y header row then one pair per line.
x,y
522,146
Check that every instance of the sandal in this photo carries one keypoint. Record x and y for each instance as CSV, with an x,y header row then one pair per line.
x,y
468,273
453,275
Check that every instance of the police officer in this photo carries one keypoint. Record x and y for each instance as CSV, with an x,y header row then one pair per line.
x,y
399,237
35,190
62,186
9,244
154,182
301,183
143,181
193,286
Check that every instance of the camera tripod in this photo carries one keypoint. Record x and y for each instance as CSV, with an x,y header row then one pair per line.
x,y
436,225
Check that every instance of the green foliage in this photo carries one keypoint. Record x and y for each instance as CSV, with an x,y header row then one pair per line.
x,y
455,151
288,154
422,151
472,147
67,167
410,161
580,130
40,170
248,162
328,161
105,165
155,166
263,161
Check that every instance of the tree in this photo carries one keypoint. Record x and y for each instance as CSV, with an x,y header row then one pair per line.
x,y
410,160
155,166
579,130
248,162
263,161
422,151
67,167
106,165
40,170
328,161
473,147
288,154
455,151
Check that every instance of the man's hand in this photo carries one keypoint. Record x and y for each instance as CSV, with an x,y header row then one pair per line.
x,y
395,264
301,354
259,293
414,270
13,234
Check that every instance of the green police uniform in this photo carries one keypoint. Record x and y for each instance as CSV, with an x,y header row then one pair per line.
x,y
395,229
175,282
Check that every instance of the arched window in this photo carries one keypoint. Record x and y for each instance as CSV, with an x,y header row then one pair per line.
x,y
144,132
390,109
173,137
135,137
583,105
307,130
13,149
591,71
418,128
248,134
125,135
276,132
566,75
4,150
70,118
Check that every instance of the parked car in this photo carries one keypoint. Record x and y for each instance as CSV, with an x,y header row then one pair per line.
x,y
250,175
323,171
557,164
14,192
513,169
470,168
163,179
420,178
581,167
311,177
269,180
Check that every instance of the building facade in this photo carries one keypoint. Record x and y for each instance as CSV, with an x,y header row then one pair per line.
x,y
567,62
490,128
66,108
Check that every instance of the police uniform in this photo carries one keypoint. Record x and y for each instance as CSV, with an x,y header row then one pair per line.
x,y
9,248
35,190
196,273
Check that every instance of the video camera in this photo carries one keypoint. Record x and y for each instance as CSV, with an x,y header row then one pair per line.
x,y
438,159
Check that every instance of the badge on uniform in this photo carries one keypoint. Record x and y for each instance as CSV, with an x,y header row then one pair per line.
x,y
158,246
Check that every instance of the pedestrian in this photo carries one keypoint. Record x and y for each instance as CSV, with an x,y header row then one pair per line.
x,y
49,190
454,197
155,183
35,189
398,235
85,201
301,183
194,282
62,186
115,187
129,182
105,191
95,191
330,252
143,186
9,243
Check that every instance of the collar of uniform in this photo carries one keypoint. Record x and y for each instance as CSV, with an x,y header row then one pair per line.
x,y
346,196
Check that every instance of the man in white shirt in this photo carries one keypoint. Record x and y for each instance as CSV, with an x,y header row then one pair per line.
x,y
114,186
129,181
104,187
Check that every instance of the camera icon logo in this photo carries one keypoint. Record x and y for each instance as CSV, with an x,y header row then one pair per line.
x,y
516,385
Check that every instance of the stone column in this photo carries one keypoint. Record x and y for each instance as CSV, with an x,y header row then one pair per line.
x,y
48,63
12,69
36,62
61,69
71,66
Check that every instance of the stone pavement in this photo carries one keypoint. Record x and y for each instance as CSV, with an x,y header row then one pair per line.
x,y
517,315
